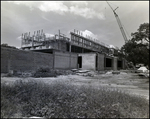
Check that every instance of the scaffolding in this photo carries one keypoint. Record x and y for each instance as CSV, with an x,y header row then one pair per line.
x,y
76,43
88,42
39,40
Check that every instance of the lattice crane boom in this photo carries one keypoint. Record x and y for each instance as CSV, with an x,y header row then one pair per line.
x,y
119,23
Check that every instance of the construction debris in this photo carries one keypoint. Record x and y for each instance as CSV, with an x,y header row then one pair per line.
x,y
82,71
142,70
116,72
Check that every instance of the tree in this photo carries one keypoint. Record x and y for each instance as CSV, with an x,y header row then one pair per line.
x,y
142,35
136,50
6,45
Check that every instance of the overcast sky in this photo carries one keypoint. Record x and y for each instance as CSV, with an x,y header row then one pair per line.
x,y
94,18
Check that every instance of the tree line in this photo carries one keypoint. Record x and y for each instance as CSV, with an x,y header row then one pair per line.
x,y
136,50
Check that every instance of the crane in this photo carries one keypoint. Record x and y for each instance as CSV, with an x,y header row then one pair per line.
x,y
119,23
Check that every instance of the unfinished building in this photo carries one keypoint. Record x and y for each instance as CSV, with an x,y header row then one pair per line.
x,y
91,54
60,52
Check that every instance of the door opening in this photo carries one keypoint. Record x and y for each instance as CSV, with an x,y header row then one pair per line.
x,y
80,62
96,62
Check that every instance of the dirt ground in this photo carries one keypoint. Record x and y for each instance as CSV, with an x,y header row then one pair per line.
x,y
129,82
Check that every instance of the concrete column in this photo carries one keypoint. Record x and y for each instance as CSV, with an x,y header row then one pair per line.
x,y
53,59
114,63
70,47
123,63
69,60
100,62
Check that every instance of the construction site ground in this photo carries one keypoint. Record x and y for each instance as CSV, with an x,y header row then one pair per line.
x,y
125,81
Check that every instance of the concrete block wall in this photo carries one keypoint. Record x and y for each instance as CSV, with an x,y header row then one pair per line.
x,y
19,60
43,60
74,61
5,56
65,60
14,59
88,61
100,62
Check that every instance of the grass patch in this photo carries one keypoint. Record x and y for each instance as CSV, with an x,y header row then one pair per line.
x,y
60,100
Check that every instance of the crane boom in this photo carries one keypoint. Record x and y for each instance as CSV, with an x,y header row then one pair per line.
x,y
119,23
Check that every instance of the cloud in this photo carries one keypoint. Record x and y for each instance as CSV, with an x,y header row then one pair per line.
x,y
49,35
46,18
54,6
89,34
112,46
79,3
92,36
76,7
19,38
86,12
30,4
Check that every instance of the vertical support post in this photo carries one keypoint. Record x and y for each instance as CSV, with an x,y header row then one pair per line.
x,y
69,47
123,63
42,32
37,36
59,33
22,40
69,60
114,62
32,40
54,59
29,35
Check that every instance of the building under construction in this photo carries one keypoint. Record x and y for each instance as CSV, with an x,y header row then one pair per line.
x,y
90,53
59,52
76,43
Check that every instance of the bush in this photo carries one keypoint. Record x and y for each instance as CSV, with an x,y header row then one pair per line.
x,y
43,69
44,72
60,100
47,72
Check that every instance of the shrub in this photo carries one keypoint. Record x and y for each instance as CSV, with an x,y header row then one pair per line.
x,y
47,72
60,100
44,72
43,69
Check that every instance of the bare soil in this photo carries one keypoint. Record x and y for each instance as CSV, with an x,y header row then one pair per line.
x,y
129,82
